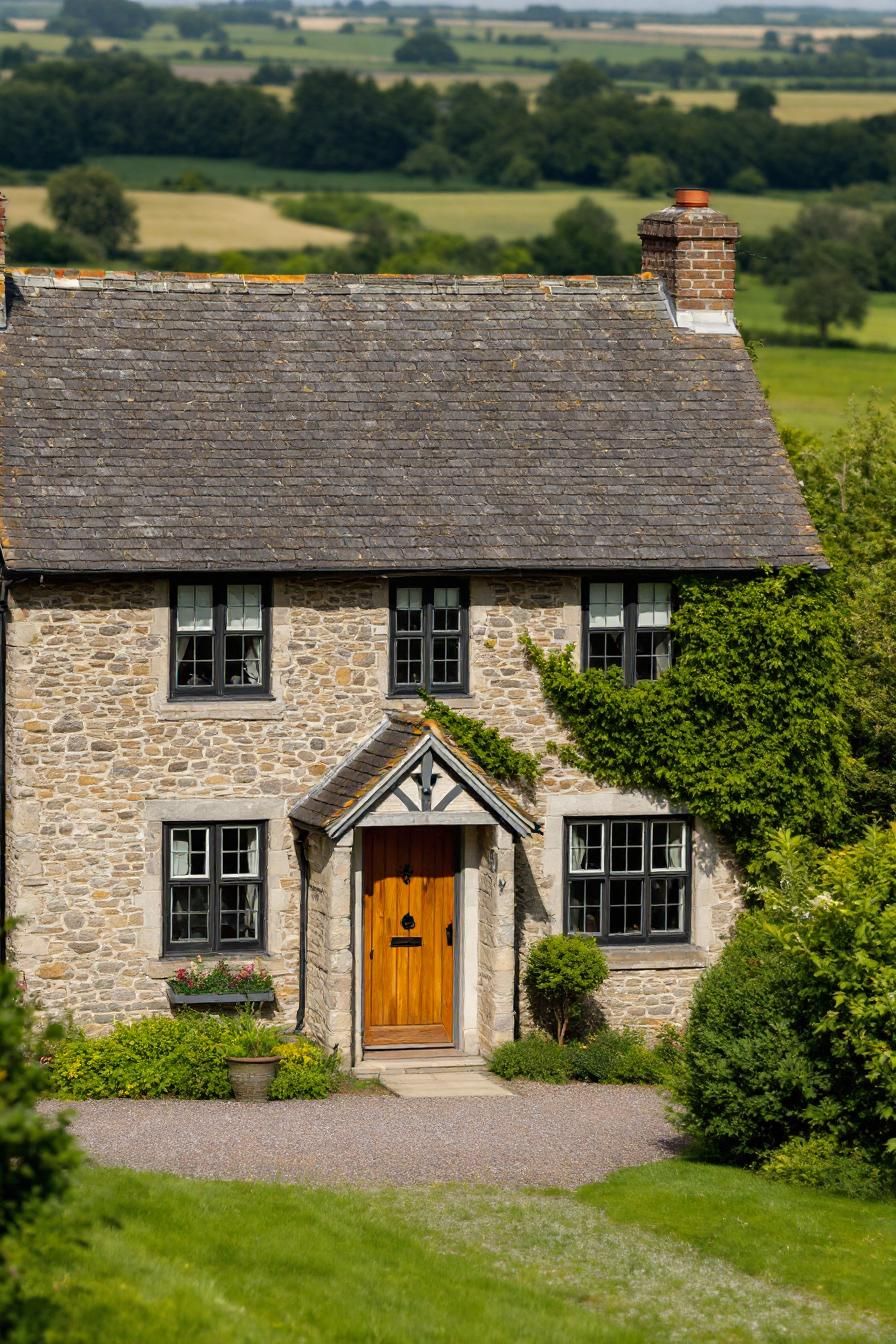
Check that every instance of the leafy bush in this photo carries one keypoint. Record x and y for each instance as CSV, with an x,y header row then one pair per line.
x,y
615,1057
37,1153
182,1056
306,1072
821,1163
250,1038
751,1073
536,1057
562,970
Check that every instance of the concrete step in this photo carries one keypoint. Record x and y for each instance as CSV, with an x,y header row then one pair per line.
x,y
374,1066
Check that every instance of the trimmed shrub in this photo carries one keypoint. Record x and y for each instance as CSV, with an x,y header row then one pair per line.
x,y
535,1057
181,1056
751,1074
615,1057
306,1072
821,1163
562,971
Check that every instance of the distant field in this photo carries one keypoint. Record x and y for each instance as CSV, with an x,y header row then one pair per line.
x,y
521,214
202,220
759,309
801,107
812,389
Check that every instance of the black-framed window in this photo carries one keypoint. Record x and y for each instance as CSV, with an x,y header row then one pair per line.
x,y
628,879
215,887
626,625
220,637
428,635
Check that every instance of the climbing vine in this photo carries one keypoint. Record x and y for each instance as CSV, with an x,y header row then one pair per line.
x,y
746,729
489,748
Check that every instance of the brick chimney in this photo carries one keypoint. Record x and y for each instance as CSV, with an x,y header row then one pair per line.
x,y
690,247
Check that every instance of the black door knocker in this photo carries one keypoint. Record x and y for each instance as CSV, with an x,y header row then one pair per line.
x,y
408,921
406,872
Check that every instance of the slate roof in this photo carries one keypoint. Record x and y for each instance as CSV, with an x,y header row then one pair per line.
x,y
324,806
173,423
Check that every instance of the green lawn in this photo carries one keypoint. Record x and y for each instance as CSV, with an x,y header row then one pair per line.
x,y
759,309
673,1252
812,388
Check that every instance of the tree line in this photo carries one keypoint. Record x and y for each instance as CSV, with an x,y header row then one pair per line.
x,y
582,128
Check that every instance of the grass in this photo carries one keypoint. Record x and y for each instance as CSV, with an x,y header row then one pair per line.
x,y
837,1248
759,309
202,220
671,1251
151,172
802,107
811,388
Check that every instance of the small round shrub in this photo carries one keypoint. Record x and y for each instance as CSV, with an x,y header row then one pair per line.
x,y
821,1163
614,1057
536,1057
306,1072
562,972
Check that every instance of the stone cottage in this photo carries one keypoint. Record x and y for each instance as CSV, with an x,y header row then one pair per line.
x,y
244,518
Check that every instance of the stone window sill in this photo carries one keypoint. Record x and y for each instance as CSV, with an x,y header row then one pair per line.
x,y
165,968
414,705
234,710
665,957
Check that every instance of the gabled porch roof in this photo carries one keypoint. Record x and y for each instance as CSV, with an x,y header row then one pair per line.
x,y
405,746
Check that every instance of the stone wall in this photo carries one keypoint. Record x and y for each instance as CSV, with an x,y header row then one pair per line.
x,y
99,757
496,939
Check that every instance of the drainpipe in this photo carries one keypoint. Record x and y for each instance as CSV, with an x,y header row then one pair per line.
x,y
4,617
303,950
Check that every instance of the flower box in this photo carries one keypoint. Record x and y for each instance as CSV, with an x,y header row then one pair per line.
x,y
194,1000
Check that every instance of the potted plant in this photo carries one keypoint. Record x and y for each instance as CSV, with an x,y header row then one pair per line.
x,y
252,1064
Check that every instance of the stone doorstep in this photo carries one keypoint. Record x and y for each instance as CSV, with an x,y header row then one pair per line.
x,y
468,1083
408,1063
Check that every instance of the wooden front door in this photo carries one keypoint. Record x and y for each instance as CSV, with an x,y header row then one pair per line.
x,y
409,935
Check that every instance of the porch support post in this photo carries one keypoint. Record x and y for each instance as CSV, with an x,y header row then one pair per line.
x,y
496,939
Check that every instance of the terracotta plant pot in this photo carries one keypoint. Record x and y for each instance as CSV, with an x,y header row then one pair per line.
x,y
252,1075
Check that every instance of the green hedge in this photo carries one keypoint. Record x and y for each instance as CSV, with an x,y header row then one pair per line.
x,y
183,1056
606,1056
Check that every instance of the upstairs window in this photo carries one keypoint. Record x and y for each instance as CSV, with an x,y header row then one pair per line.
x,y
220,638
627,626
628,879
428,636
214,888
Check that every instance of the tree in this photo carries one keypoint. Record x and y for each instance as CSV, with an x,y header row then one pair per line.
x,y
756,98
273,72
426,48
825,296
90,201
748,182
36,1152
105,18
562,971
646,175
583,241
432,160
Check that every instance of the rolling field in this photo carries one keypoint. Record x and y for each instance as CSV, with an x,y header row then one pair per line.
x,y
801,107
811,389
202,220
759,310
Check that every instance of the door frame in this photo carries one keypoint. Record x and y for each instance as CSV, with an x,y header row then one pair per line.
x,y
457,943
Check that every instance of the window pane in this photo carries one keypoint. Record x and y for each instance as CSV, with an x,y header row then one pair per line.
x,y
625,905
445,660
239,851
654,604
667,904
189,913
586,847
189,851
446,609
585,894
408,662
239,912
194,606
409,600
605,648
653,654
627,847
193,660
244,607
242,660
667,846
605,606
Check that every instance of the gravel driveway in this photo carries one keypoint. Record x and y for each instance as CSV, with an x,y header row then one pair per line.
x,y
554,1136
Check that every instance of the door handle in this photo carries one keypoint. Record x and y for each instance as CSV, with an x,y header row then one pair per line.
x,y
449,934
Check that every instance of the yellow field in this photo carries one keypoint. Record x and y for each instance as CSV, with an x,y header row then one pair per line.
x,y
802,107
205,221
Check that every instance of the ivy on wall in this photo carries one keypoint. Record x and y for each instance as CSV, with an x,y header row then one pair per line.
x,y
489,748
746,728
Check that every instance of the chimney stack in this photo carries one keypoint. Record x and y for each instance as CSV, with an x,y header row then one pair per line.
x,y
690,247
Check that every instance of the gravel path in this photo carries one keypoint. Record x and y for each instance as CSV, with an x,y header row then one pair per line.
x,y
553,1136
